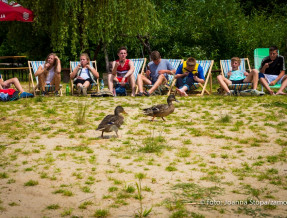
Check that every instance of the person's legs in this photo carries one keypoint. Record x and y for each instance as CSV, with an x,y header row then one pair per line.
x,y
85,87
224,83
142,80
161,79
133,85
283,86
42,82
265,83
182,86
252,77
111,79
79,88
15,82
56,81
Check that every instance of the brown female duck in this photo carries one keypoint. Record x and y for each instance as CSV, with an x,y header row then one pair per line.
x,y
161,110
112,122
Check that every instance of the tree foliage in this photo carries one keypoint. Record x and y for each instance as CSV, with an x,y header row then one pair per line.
x,y
204,29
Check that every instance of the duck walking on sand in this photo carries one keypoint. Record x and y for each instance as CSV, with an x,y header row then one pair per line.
x,y
112,122
161,110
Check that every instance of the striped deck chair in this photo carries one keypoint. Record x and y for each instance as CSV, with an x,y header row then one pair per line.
x,y
259,54
33,67
226,67
93,86
175,63
207,67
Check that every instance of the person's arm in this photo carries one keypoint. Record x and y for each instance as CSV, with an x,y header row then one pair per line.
x,y
282,73
75,71
115,67
131,70
170,70
179,73
59,67
41,69
200,77
94,71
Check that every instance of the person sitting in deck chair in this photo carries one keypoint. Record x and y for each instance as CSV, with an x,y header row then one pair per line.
x,y
122,72
272,71
187,74
236,76
156,74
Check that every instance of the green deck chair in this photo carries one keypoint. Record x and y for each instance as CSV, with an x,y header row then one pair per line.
x,y
259,54
226,67
93,86
33,67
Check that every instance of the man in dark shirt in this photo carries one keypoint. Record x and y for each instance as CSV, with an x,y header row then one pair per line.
x,y
272,71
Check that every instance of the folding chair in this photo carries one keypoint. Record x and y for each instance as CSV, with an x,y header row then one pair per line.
x,y
226,67
93,86
207,67
175,64
259,54
33,67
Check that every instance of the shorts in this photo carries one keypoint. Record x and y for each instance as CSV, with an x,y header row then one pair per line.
x,y
83,81
122,78
270,77
237,81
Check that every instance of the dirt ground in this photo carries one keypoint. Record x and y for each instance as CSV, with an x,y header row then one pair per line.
x,y
214,156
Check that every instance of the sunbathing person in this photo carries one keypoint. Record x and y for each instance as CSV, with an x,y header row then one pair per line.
x,y
187,74
156,74
272,71
84,74
122,72
14,81
49,74
236,76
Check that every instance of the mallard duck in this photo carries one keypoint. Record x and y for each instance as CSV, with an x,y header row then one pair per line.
x,y
161,110
112,122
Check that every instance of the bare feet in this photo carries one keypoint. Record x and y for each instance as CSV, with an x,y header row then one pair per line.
x,y
280,93
181,92
271,92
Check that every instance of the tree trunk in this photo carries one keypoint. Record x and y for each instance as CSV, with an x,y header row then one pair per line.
x,y
145,41
106,58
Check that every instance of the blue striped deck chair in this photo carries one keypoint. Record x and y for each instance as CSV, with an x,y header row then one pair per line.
x,y
175,64
93,86
207,67
139,64
226,67
33,67
259,54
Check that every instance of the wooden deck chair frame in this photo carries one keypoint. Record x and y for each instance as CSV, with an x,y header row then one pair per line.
x,y
175,64
33,67
225,66
93,86
139,64
207,67
259,54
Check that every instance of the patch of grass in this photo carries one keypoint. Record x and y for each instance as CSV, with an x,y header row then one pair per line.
x,y
85,204
101,213
53,207
31,183
64,192
152,144
80,117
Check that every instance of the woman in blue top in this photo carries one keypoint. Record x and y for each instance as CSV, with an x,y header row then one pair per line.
x,y
236,76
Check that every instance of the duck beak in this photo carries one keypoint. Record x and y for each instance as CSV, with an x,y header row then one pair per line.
x,y
124,112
